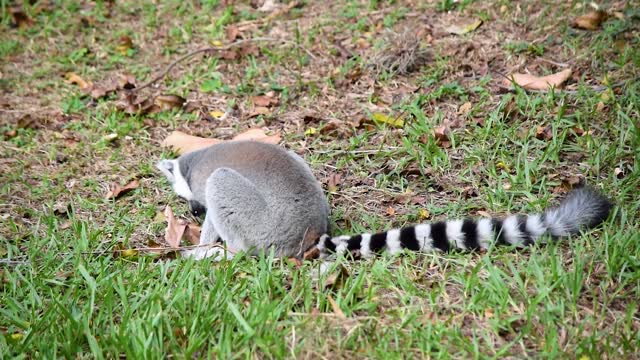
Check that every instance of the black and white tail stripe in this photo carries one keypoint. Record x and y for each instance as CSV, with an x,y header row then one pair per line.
x,y
582,208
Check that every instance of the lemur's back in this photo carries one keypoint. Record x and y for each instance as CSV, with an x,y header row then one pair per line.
x,y
257,196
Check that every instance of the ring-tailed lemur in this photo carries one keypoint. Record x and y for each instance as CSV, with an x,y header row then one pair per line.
x,y
257,196
261,197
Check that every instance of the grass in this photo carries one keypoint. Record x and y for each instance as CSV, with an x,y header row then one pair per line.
x,y
63,293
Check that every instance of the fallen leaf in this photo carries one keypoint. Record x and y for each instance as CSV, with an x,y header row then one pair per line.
x,y
259,110
336,309
380,117
463,28
591,20
117,190
75,79
531,82
124,45
295,262
268,6
184,143
544,133
256,134
174,231
423,214
263,100
333,182
465,108
20,18
310,131
311,254
168,102
232,32
336,279
217,114
192,233
27,121
391,211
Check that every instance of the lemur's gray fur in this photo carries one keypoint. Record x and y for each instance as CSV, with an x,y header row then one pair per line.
x,y
256,196
260,197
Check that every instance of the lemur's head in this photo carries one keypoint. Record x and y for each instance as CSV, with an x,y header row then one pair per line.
x,y
173,170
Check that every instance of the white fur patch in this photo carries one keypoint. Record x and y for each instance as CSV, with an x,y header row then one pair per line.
x,y
535,227
485,233
511,231
180,186
393,241
365,248
341,248
454,234
423,236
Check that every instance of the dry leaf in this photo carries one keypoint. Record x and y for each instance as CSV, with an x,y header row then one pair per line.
x,y
544,133
124,44
590,21
168,102
465,108
117,190
391,211
333,182
174,231
393,121
259,110
73,78
463,29
264,100
192,233
217,114
311,254
20,19
336,279
531,82
258,135
184,143
232,32
336,309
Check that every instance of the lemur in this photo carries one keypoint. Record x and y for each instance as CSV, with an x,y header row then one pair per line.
x,y
261,197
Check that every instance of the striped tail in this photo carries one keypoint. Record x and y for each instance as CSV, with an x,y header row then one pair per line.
x,y
583,208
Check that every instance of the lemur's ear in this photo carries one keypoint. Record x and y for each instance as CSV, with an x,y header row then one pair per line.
x,y
167,167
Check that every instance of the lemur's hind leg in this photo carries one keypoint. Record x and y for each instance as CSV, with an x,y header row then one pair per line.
x,y
237,210
208,236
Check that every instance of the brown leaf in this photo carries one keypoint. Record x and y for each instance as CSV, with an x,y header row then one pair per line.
x,y
256,134
259,110
27,121
232,32
591,20
544,133
249,49
264,100
126,81
174,231
124,44
75,79
391,211
336,279
168,102
311,254
334,180
192,233
336,309
20,18
184,143
531,82
117,190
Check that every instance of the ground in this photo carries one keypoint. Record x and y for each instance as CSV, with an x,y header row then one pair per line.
x,y
447,137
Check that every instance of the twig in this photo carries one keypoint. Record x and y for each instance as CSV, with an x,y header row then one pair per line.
x,y
13,262
211,49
